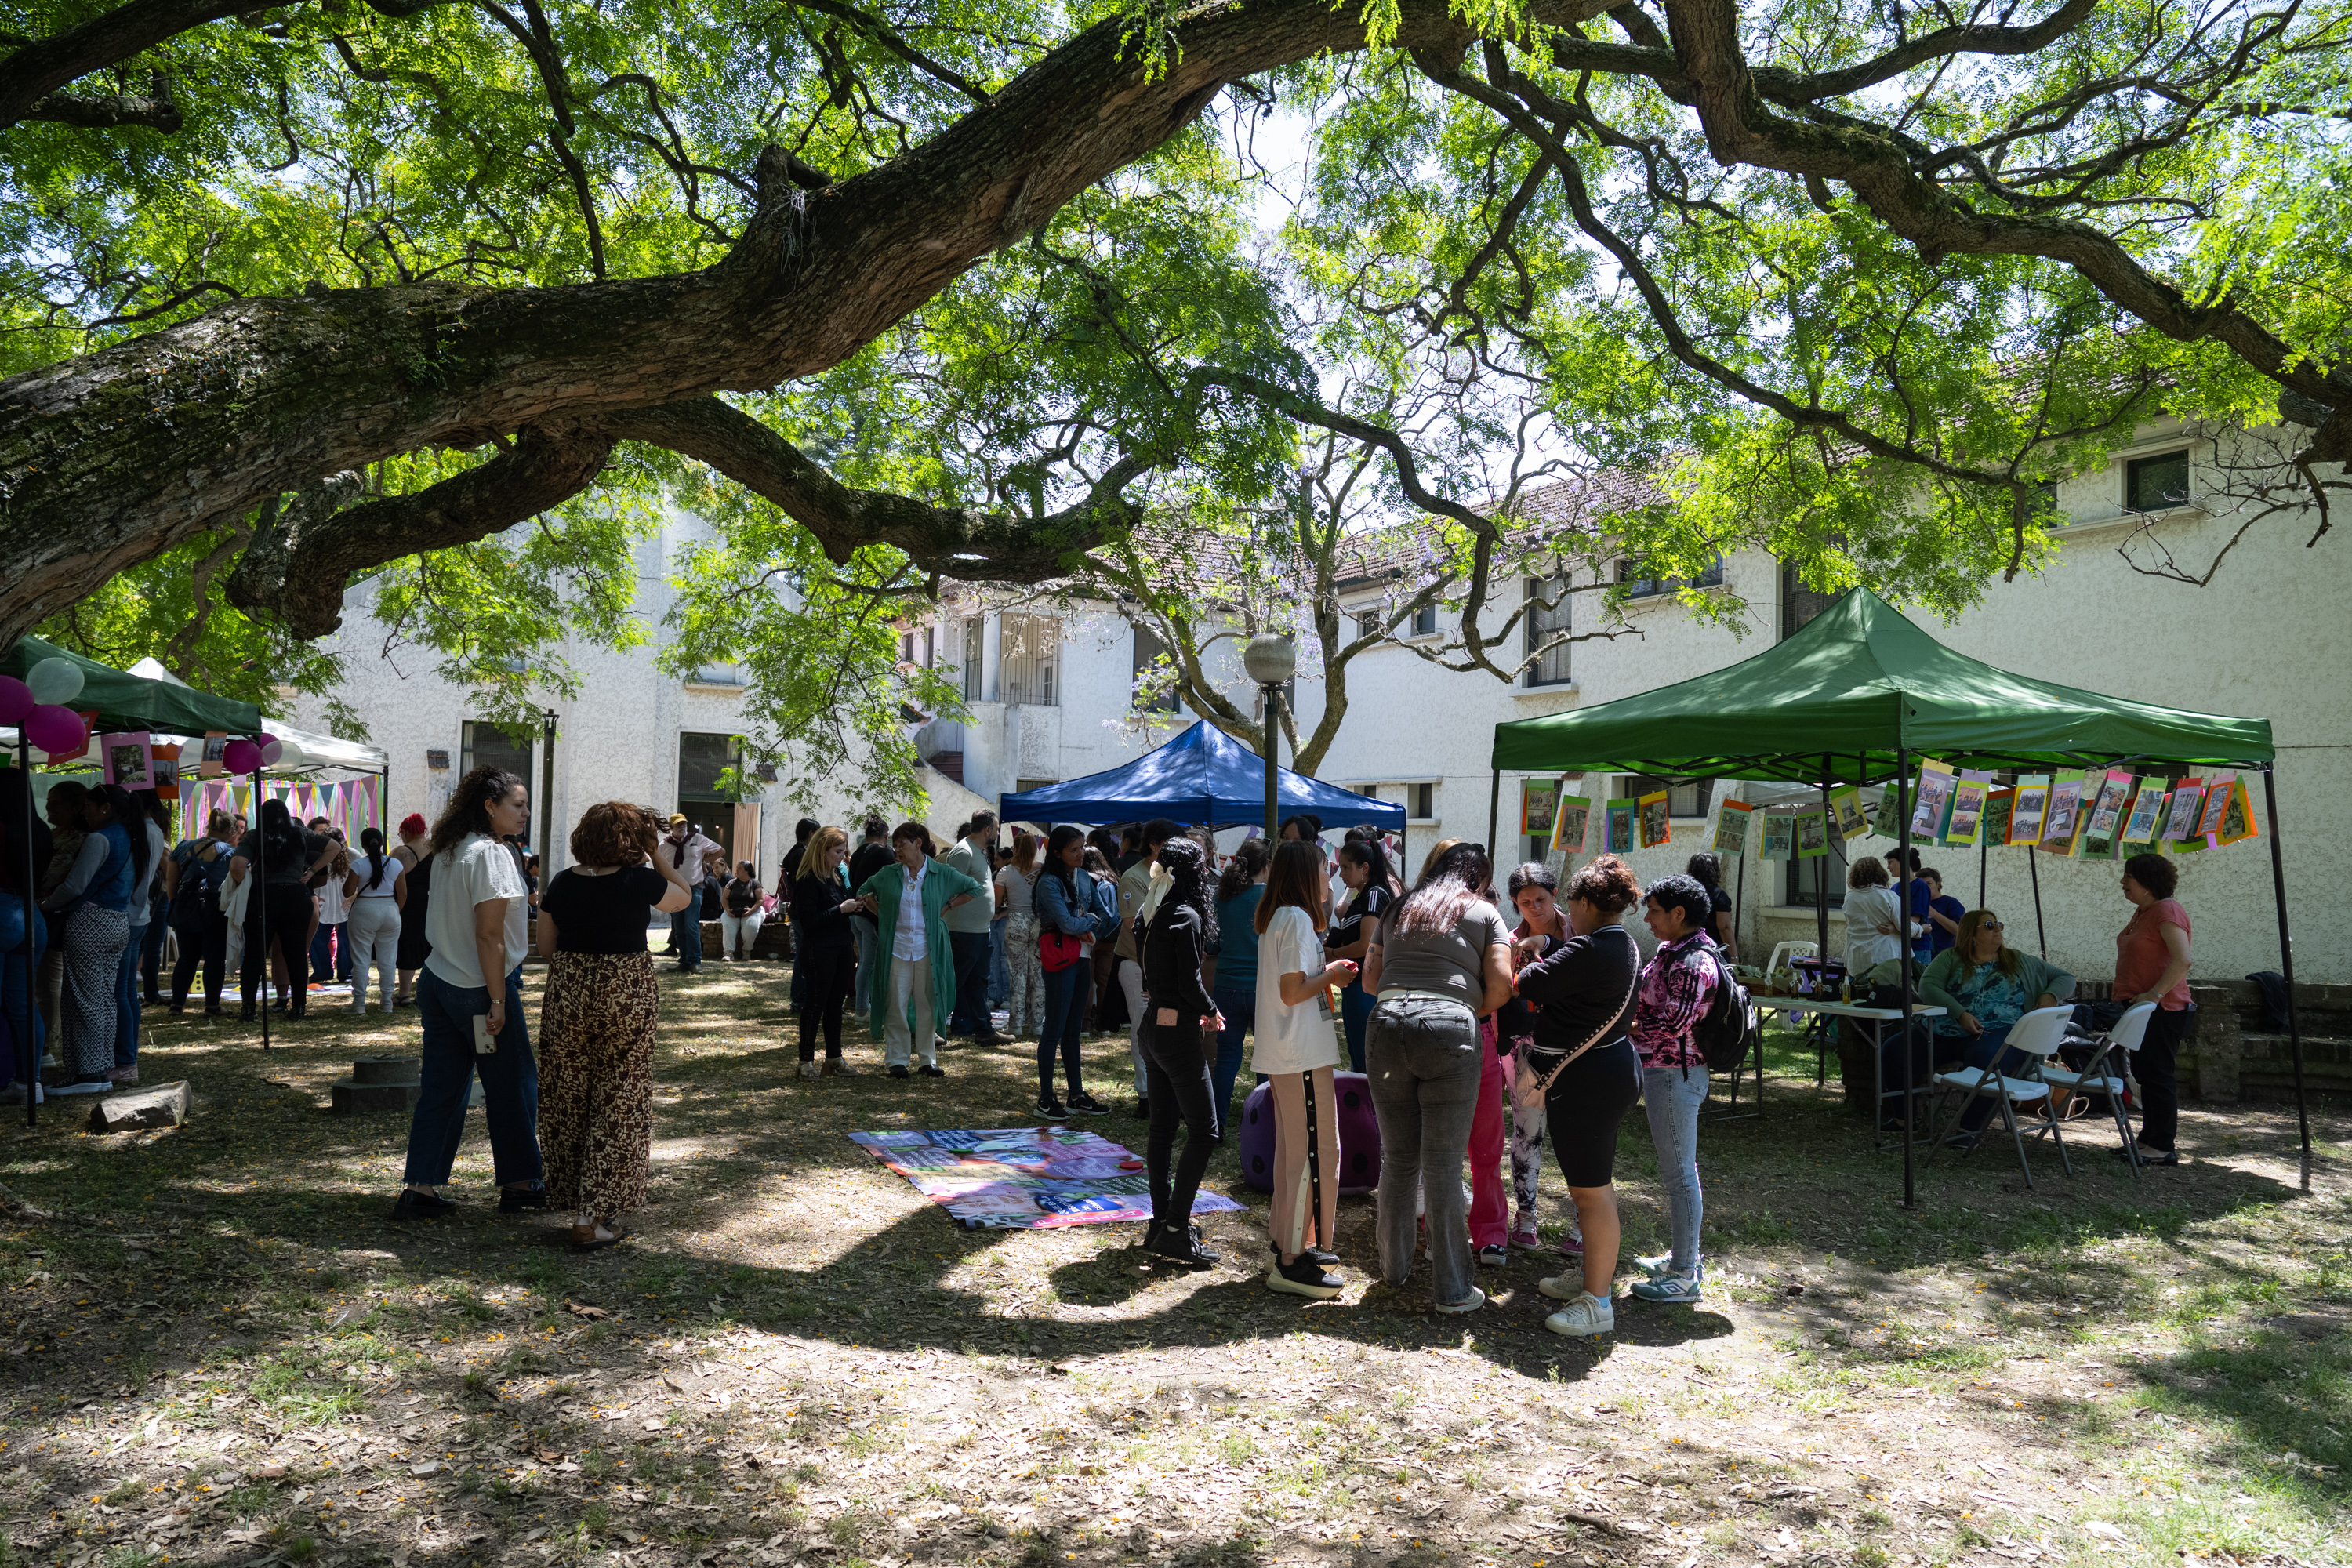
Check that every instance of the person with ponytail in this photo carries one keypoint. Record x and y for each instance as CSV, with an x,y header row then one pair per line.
x,y
145,818
1069,914
415,858
1175,945
375,894
1239,891
94,901
1298,1049
1372,886
287,855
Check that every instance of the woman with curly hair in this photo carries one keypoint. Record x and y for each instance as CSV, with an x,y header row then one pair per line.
x,y
596,1019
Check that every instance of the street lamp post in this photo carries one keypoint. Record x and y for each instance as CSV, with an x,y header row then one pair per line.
x,y
1271,659
546,816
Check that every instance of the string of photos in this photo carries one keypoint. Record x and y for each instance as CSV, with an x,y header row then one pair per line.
x,y
2083,813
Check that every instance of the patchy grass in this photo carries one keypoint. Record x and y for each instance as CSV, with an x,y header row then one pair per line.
x,y
225,1352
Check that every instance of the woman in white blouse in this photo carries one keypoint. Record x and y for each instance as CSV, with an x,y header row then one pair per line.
x,y
1297,1047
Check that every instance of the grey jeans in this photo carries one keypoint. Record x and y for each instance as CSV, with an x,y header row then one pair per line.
x,y
1423,1056
1672,1101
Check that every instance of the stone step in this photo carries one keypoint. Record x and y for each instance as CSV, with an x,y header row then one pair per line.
x,y
384,1069
350,1097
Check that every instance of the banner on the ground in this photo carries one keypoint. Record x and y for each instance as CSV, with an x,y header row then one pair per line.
x,y
1025,1178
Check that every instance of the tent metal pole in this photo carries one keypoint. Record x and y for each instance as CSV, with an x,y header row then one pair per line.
x,y
1903,948
1739,893
29,1069
1822,875
1273,745
261,891
2287,964
2033,870
1494,811
1984,862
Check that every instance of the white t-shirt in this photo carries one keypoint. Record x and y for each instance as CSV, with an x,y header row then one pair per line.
x,y
1291,1039
479,869
1020,891
332,909
909,942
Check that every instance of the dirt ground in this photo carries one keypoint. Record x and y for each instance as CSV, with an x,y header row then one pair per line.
x,y
221,1350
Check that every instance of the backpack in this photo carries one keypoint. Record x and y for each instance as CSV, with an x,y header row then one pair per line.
x,y
1730,1024
199,895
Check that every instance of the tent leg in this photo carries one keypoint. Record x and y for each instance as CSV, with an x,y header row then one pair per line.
x,y
1738,893
2287,964
1903,864
1273,750
261,891
1822,877
2033,870
29,1068
1984,863
1493,812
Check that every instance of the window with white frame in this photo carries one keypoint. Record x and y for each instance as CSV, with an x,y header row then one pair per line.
x,y
1638,585
1547,600
974,631
2156,484
1424,621
1027,661
1149,647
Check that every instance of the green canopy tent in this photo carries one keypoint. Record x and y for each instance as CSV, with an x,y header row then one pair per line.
x,y
134,703
1851,698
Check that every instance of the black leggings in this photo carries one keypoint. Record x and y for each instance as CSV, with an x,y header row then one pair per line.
x,y
211,946
831,970
1179,1091
2159,1086
289,905
1584,1107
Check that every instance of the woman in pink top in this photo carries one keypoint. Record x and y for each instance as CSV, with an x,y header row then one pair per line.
x,y
2152,966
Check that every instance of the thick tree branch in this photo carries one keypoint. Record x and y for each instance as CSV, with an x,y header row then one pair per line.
x,y
154,108
37,69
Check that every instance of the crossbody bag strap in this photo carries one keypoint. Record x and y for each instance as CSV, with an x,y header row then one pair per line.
x,y
1543,1084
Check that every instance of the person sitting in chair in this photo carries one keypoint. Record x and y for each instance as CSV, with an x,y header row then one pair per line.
x,y
1985,986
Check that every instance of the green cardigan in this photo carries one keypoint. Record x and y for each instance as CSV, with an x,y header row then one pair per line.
x,y
2034,976
941,883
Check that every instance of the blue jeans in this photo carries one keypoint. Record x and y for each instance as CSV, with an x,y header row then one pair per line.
x,y
322,966
970,951
510,1085
1240,1009
1000,974
1672,1101
126,1001
1355,1011
17,1010
1981,1053
150,951
1065,1015
686,928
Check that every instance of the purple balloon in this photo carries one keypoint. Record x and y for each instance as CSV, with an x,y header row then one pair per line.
x,y
240,756
55,729
16,702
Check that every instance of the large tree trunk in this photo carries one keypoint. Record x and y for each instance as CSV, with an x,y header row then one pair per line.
x,y
108,459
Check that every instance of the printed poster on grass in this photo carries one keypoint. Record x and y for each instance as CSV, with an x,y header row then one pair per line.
x,y
1025,1178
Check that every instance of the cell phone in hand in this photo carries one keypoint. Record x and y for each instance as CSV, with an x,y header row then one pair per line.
x,y
484,1041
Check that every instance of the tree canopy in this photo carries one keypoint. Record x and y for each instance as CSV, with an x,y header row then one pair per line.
x,y
305,294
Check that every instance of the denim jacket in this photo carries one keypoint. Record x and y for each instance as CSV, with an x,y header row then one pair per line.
x,y
1096,921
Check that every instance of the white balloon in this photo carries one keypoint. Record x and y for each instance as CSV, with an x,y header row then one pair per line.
x,y
54,680
290,756
271,750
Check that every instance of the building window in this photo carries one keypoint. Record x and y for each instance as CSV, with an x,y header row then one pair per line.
x,y
2156,484
1689,797
1369,621
1423,799
1803,876
1025,664
1148,649
489,745
1544,623
702,763
716,675
1637,587
974,631
1424,621
917,646
1799,603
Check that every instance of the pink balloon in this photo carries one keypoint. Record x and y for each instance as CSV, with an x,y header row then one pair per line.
x,y
240,756
55,729
16,702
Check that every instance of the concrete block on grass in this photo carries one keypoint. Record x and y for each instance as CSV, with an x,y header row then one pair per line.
x,y
166,1105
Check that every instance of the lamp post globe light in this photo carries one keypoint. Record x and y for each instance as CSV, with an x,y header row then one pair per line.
x,y
1271,659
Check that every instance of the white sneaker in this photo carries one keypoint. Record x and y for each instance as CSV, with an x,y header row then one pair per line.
x,y
1658,1265
1562,1286
1476,1300
1585,1315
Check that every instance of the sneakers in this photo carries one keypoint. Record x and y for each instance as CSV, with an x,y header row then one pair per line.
x,y
1656,1264
1305,1276
1048,1108
1493,1256
413,1204
2148,1156
810,1070
1087,1104
1181,1247
1572,1245
1670,1289
1562,1286
1586,1314
1476,1299
1523,1237
126,1074
835,1068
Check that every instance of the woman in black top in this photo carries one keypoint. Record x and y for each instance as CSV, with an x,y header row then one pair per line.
x,y
1580,993
1371,888
596,1020
827,950
1174,944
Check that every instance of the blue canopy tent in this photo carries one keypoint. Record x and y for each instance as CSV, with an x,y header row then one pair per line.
x,y
1204,776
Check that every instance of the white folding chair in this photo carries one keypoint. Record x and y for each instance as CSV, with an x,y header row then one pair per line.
x,y
2036,1036
1788,950
2108,1072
